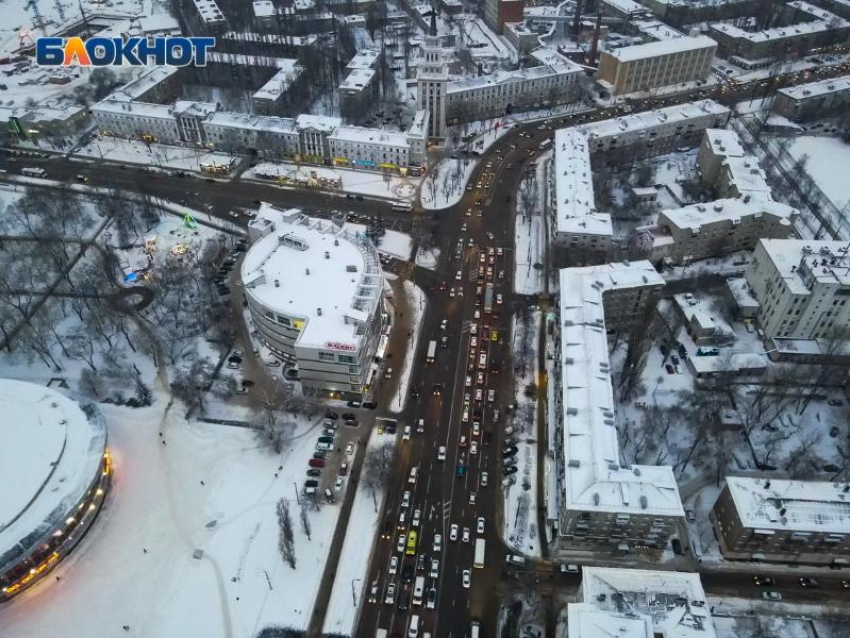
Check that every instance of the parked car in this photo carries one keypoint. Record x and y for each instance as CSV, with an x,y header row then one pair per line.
x,y
316,462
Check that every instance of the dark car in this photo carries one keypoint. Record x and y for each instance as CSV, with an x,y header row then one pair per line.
x,y
403,600
438,389
354,404
314,471
316,462
333,416
486,439
763,581
675,360
669,369
461,471
352,423
407,573
311,483
510,451
326,439
808,582
370,405
348,416
677,546
509,469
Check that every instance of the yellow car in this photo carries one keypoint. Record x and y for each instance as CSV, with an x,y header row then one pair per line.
x,y
494,335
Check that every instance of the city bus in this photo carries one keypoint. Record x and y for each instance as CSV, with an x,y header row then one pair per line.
x,y
33,172
478,561
402,207
411,543
432,351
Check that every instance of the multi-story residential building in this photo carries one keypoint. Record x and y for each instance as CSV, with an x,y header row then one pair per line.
x,y
315,292
721,227
654,132
808,29
625,9
519,35
654,64
209,12
582,234
306,138
639,603
599,501
358,90
838,7
432,79
505,92
498,12
814,99
682,12
783,520
802,287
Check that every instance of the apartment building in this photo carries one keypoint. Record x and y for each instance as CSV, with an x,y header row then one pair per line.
x,y
802,287
682,12
361,147
582,234
498,12
814,99
315,293
639,603
760,518
359,90
654,64
808,29
598,502
505,92
656,132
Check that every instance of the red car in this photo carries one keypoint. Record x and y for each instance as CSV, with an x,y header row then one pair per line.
x,y
343,469
443,285
669,369
317,463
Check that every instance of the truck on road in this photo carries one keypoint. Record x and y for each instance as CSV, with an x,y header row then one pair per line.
x,y
479,553
488,299
432,351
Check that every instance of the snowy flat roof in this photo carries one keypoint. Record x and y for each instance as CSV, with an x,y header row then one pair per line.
x,y
742,293
365,59
144,83
369,136
158,22
629,7
696,308
800,506
322,123
595,479
646,120
51,452
674,602
358,79
661,47
271,38
259,123
280,82
823,21
585,620
263,8
575,210
419,125
694,216
510,77
314,269
209,11
724,142
788,255
657,29
817,89
142,109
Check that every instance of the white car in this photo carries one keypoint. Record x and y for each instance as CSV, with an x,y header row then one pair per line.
x,y
393,564
467,578
402,542
340,481
479,394
465,537
479,529
465,416
349,449
405,499
452,291
480,378
453,530
472,498
459,275
500,251
473,447
441,453
444,324
438,542
468,380
485,479
476,428
473,329
477,314
499,298
414,472
491,396
417,515
405,435
473,343
435,568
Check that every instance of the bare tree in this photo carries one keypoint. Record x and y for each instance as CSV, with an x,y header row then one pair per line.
x,y
286,538
377,466
305,521
268,415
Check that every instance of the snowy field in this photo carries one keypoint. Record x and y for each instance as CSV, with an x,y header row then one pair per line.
x,y
189,526
153,155
828,161
366,183
350,583
417,304
393,243
521,530
445,183
530,231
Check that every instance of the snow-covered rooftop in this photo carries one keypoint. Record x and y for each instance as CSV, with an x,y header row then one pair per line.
x,y
585,620
321,123
628,7
365,59
279,83
816,89
803,506
358,79
694,307
661,47
258,123
575,209
673,602
369,135
646,120
694,216
509,77
823,21
52,449
724,142
137,88
742,293
263,8
801,261
209,11
595,479
316,270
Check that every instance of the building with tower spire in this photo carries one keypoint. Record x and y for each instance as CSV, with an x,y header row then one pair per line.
x,y
432,81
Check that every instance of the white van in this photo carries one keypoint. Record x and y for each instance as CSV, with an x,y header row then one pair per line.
x,y
418,590
413,630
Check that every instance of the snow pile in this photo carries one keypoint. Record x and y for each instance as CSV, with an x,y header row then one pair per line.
x,y
427,258
417,304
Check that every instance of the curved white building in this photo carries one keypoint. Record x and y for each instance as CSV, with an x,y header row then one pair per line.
x,y
314,290
55,470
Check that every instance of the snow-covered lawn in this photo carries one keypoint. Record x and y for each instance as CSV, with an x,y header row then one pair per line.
x,y
367,183
350,582
827,155
521,531
199,490
417,304
530,232
393,243
427,258
446,182
113,149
